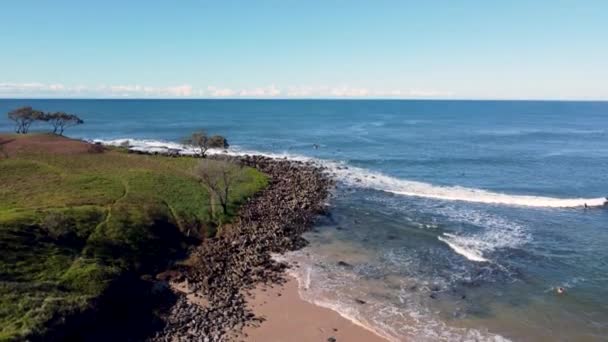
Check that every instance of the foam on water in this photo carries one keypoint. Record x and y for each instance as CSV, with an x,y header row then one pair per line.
x,y
362,178
322,284
497,233
358,177
463,246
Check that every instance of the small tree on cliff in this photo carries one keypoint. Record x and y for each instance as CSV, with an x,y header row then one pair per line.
x,y
219,177
24,117
200,141
60,121
218,141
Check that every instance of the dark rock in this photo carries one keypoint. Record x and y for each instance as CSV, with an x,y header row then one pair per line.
x,y
344,264
225,267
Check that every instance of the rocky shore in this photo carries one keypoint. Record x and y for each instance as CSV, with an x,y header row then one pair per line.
x,y
211,303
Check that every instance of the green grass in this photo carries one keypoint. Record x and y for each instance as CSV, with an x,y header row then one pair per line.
x,y
70,224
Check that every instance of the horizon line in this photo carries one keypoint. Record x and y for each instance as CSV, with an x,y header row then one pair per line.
x,y
306,99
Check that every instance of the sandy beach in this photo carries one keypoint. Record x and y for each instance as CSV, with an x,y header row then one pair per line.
x,y
289,318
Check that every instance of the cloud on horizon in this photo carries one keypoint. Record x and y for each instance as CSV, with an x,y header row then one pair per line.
x,y
38,89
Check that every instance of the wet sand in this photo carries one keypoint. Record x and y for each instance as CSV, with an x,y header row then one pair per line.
x,y
290,318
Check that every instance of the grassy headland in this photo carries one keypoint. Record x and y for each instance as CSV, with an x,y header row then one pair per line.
x,y
75,217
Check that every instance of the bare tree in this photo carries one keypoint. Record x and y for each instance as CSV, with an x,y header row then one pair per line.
x,y
24,117
60,121
200,141
219,177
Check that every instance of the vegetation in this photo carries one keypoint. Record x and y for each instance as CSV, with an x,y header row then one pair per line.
x,y
72,222
60,121
202,142
218,141
220,177
24,117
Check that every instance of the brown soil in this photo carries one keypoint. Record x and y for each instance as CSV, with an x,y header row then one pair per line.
x,y
13,144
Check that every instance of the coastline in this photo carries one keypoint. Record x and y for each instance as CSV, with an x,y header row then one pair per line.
x,y
271,306
284,312
211,285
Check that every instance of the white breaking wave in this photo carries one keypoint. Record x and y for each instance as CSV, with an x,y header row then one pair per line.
x,y
463,246
497,233
362,178
358,177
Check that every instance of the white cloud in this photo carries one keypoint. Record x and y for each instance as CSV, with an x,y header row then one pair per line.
x,y
220,92
270,91
300,91
29,87
346,91
128,90
184,90
37,89
412,93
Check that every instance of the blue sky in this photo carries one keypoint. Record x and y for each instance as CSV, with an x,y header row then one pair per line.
x,y
305,49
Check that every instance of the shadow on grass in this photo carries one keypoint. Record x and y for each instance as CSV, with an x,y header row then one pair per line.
x,y
131,308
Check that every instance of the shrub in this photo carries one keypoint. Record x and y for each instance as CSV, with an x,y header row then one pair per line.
x,y
96,148
58,226
218,141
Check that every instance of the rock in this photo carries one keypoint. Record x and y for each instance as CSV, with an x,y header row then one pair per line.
x,y
224,267
344,264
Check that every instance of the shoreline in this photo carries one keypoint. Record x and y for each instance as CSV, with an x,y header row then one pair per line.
x,y
258,318
285,311
210,286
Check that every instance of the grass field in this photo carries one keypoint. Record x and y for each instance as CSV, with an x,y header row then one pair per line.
x,y
73,219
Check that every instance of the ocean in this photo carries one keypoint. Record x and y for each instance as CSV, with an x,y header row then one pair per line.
x,y
451,220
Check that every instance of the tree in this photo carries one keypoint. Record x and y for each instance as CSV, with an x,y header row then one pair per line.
x,y
200,141
24,117
60,121
219,177
218,141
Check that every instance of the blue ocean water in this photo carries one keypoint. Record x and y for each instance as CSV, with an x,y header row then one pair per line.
x,y
454,220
